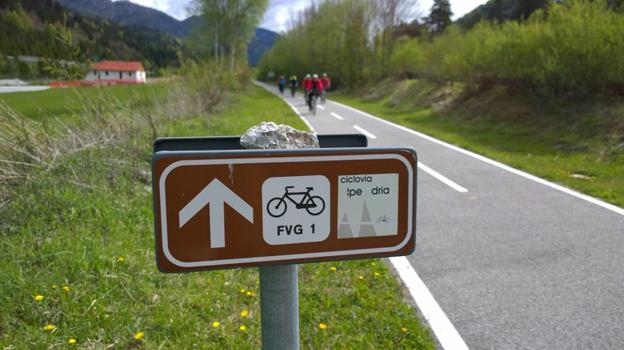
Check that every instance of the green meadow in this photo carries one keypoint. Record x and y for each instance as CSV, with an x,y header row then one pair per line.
x,y
78,267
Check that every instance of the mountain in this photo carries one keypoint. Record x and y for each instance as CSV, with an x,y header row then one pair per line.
x,y
126,12
262,42
44,28
502,10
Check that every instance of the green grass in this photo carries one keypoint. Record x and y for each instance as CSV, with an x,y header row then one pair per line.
x,y
66,102
87,224
541,139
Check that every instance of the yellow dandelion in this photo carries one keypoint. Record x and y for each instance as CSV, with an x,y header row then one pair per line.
x,y
361,277
71,341
243,291
323,325
54,286
373,264
39,297
377,274
249,294
403,329
139,335
333,268
66,289
243,328
216,324
49,327
244,313
120,259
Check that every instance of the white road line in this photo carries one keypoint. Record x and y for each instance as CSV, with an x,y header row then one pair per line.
x,y
336,116
442,327
442,178
526,175
365,132
321,107
307,123
444,330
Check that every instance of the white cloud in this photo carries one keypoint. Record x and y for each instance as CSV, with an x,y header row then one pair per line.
x,y
174,8
280,12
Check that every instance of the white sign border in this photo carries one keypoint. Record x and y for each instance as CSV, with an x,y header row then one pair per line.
x,y
277,258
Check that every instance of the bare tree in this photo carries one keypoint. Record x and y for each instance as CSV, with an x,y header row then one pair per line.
x,y
227,28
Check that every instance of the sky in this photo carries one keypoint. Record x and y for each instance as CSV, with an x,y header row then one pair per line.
x,y
277,17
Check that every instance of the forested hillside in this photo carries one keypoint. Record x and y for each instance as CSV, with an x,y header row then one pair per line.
x,y
128,13
46,29
512,10
572,47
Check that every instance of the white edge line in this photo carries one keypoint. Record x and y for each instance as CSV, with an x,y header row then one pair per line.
x,y
524,174
441,326
321,107
305,121
452,184
364,131
335,115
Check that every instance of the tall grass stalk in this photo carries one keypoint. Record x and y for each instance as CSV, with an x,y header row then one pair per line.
x,y
27,145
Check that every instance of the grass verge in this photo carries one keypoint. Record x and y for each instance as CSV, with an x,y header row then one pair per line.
x,y
78,266
66,103
578,145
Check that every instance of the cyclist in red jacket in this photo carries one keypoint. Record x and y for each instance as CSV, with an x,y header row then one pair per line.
x,y
326,85
307,87
314,89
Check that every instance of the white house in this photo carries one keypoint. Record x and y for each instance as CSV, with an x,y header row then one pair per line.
x,y
116,72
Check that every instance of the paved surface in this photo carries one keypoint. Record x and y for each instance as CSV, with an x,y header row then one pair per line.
x,y
513,263
7,89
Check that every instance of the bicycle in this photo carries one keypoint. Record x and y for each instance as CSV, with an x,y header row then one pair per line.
x,y
312,101
314,205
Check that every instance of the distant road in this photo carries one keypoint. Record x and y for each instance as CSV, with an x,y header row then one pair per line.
x,y
8,89
513,261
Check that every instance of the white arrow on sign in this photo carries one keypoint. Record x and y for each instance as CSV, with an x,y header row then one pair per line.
x,y
216,194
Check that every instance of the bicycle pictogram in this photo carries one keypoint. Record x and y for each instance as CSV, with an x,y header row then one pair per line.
x,y
314,205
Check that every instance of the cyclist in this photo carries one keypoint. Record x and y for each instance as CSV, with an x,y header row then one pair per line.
x,y
316,89
294,84
307,87
326,85
281,83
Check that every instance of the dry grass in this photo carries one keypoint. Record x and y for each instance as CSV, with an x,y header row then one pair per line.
x,y
102,121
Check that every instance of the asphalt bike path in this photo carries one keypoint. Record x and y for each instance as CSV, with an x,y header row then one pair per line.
x,y
503,260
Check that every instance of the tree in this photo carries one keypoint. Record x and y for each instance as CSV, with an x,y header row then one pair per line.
x,y
527,7
228,27
389,15
440,16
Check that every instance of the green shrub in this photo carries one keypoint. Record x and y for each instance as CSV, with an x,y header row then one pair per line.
x,y
571,48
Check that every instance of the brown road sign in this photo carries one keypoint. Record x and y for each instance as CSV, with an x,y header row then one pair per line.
x,y
249,208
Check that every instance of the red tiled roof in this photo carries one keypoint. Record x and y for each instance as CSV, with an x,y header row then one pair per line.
x,y
119,66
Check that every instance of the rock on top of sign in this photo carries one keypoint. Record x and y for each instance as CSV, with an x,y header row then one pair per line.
x,y
269,135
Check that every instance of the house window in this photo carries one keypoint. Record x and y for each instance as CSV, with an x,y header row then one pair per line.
x,y
106,73
130,74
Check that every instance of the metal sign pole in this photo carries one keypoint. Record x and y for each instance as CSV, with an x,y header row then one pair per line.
x,y
279,305
279,290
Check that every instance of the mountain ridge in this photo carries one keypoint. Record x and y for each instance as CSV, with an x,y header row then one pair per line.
x,y
129,13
